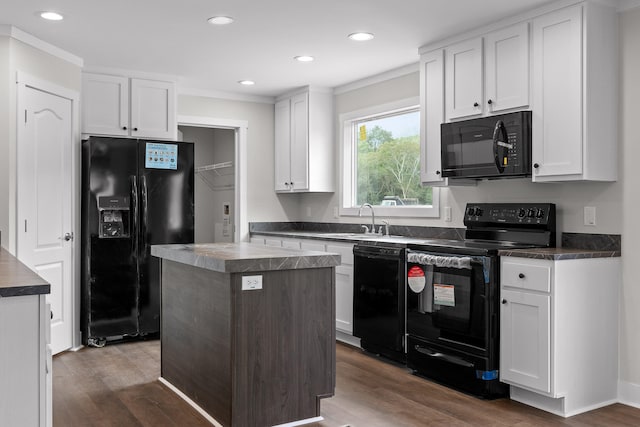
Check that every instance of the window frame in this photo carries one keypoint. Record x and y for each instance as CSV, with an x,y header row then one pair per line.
x,y
348,179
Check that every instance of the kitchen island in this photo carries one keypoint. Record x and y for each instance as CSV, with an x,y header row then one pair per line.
x,y
247,331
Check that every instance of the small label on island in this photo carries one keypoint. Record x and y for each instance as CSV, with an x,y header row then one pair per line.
x,y
251,283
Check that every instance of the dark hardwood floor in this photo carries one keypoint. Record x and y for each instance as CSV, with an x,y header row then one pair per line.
x,y
118,386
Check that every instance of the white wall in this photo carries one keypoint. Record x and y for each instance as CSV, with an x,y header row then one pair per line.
x,y
629,203
262,202
17,56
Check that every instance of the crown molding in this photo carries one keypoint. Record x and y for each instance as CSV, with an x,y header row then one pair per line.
x,y
33,41
378,78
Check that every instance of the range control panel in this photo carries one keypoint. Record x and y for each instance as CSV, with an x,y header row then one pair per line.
x,y
496,214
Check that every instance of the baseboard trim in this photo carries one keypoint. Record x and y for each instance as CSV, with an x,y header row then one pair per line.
x,y
629,394
193,404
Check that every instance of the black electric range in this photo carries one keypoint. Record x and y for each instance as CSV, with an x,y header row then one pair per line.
x,y
452,294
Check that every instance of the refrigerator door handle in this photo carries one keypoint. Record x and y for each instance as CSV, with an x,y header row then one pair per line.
x,y
143,225
134,200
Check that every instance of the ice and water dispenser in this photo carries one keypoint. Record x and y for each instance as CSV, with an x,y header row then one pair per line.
x,y
114,217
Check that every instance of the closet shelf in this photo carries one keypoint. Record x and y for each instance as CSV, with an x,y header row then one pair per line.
x,y
214,167
209,172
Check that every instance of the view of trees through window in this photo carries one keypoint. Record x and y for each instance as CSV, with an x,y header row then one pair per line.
x,y
388,161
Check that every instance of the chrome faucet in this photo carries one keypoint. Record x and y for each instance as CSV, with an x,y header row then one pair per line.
x,y
373,217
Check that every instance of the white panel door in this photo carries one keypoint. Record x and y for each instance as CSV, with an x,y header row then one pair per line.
x,y
557,93
45,187
525,340
507,68
153,111
463,79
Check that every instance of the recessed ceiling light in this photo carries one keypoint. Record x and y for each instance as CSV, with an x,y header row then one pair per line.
x,y
220,20
361,37
247,82
51,16
304,58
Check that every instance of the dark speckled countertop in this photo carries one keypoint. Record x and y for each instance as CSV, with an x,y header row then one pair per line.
x,y
558,254
16,279
574,245
243,257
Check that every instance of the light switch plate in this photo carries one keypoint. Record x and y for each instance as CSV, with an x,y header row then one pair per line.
x,y
447,213
590,215
251,283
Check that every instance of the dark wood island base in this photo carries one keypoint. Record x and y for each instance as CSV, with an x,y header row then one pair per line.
x,y
253,357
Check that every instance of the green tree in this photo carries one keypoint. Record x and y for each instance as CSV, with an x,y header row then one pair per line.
x,y
389,167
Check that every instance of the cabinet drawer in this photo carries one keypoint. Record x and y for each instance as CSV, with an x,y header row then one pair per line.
x,y
526,275
345,251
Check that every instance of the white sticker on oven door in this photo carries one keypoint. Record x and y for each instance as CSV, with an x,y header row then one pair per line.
x,y
444,295
416,280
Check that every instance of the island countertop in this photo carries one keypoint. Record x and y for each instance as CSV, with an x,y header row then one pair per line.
x,y
16,279
243,257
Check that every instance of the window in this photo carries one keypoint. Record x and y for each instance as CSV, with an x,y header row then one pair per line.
x,y
381,162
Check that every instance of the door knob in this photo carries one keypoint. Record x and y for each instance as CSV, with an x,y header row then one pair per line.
x,y
68,236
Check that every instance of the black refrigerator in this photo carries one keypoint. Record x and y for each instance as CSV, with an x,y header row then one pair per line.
x,y
135,193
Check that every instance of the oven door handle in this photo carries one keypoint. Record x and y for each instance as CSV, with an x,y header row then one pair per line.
x,y
446,357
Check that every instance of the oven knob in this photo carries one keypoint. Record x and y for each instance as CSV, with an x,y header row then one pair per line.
x,y
540,213
478,212
470,211
531,213
521,213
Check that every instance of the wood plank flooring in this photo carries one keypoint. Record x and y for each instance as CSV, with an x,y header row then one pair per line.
x,y
117,386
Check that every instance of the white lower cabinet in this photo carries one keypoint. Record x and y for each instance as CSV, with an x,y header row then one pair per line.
x,y
559,332
25,363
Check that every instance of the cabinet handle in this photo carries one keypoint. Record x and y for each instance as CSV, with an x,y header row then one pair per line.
x,y
136,129
475,104
504,301
437,172
536,166
490,102
521,275
124,128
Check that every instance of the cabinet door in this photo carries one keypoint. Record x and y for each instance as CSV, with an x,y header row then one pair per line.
x,y
153,111
344,298
105,105
282,145
525,340
300,141
431,116
463,79
557,93
507,68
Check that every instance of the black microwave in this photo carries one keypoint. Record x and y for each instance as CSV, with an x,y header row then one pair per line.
x,y
489,147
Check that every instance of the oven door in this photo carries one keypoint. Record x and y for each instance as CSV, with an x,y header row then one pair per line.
x,y
448,300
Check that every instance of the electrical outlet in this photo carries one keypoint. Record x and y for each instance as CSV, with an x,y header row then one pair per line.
x,y
447,213
590,215
251,283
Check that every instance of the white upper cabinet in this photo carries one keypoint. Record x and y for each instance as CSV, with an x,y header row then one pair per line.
x,y
304,142
574,102
463,81
488,74
507,68
431,116
120,106
105,105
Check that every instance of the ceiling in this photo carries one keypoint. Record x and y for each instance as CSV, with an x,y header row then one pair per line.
x,y
173,37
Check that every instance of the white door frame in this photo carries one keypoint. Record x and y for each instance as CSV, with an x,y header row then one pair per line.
x,y
24,80
241,225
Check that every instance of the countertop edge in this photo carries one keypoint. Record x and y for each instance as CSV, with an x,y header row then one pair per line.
x,y
557,254
269,260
